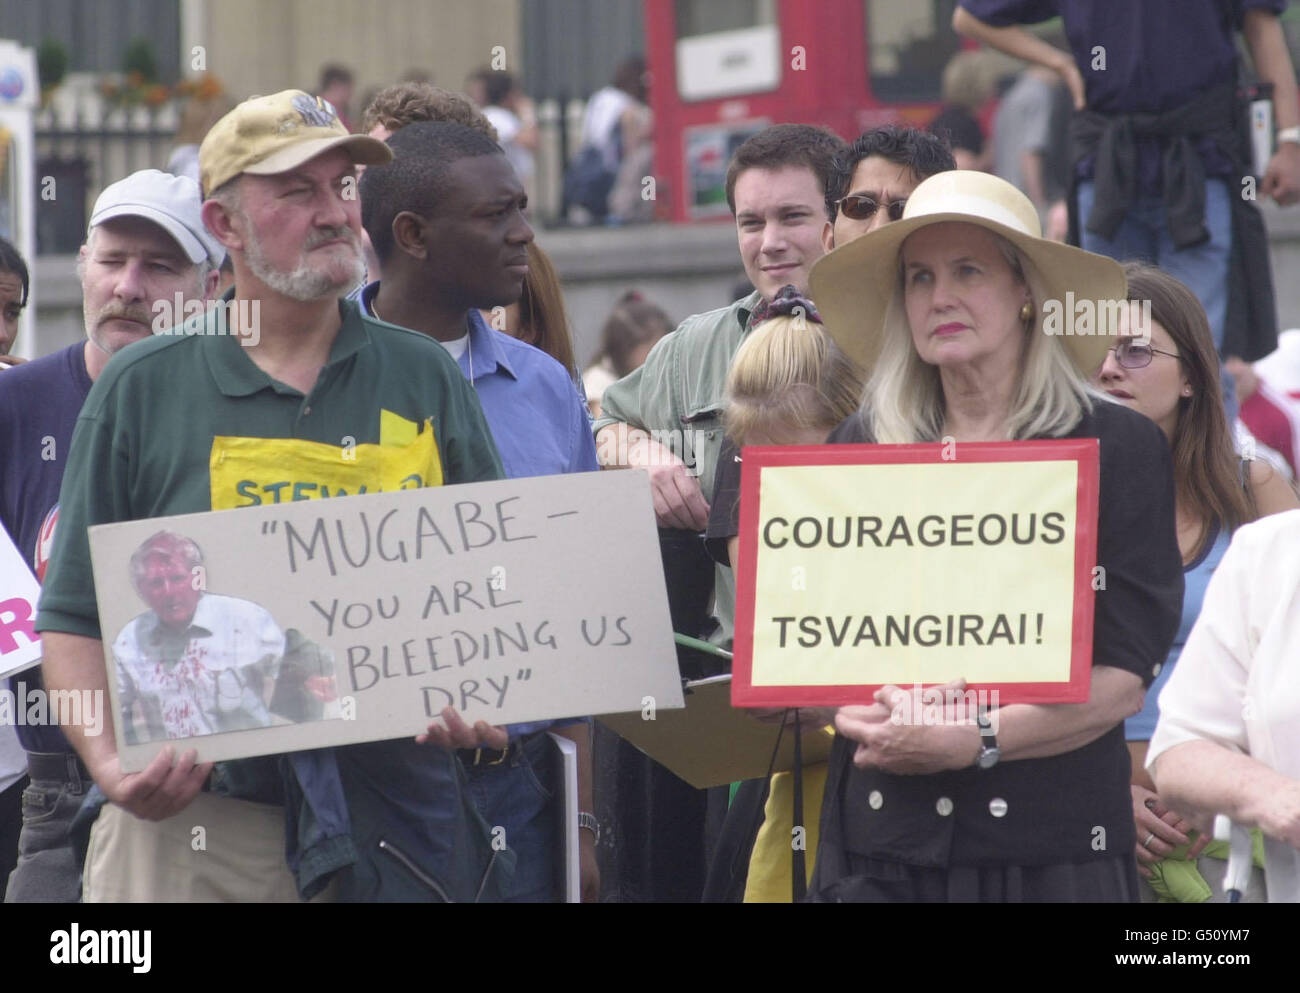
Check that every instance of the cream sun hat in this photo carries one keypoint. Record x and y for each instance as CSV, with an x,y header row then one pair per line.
x,y
854,284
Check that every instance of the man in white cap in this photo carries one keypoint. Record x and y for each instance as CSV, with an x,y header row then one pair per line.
x,y
145,246
297,368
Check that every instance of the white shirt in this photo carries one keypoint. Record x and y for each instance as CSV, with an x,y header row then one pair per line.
x,y
598,378
456,347
207,680
1237,682
604,111
508,127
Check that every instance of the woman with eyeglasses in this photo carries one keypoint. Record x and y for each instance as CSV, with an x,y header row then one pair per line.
x,y
1169,371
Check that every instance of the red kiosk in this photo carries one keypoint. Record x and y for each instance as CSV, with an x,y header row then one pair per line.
x,y
723,70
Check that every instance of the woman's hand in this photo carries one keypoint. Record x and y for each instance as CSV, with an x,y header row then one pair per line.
x,y
906,733
1159,830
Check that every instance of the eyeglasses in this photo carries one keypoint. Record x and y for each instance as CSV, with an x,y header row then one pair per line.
x,y
1137,355
859,207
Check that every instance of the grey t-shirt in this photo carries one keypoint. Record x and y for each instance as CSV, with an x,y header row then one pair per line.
x,y
1023,123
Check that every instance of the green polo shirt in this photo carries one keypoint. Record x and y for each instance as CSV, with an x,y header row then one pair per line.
x,y
677,395
185,422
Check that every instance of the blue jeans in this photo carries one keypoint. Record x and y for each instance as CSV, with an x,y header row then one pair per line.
x,y
1144,235
517,795
48,870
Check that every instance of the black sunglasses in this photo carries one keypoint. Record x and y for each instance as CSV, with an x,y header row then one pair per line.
x,y
859,207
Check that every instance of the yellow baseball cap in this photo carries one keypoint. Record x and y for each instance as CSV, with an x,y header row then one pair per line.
x,y
269,135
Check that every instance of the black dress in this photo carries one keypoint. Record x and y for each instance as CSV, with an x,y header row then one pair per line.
x,y
1058,828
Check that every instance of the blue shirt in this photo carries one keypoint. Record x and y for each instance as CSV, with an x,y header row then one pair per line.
x,y
39,404
1196,576
538,418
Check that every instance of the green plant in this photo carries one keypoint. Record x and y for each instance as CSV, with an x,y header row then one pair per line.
x,y
139,59
51,62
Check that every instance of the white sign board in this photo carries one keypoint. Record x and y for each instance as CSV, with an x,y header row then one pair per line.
x,y
319,623
729,63
20,648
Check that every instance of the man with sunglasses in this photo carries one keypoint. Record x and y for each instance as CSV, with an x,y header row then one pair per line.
x,y
872,180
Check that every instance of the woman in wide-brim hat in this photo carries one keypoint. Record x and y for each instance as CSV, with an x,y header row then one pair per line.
x,y
960,314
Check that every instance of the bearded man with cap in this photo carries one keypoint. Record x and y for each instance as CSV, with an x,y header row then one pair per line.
x,y
292,363
945,310
146,245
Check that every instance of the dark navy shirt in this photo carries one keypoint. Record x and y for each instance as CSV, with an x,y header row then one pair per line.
x,y
1158,53
1145,56
39,403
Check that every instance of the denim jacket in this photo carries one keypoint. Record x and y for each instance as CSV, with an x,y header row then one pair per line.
x,y
392,819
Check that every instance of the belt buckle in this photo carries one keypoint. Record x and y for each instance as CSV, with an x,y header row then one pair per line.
x,y
478,755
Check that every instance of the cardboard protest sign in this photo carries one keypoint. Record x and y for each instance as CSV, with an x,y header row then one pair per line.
x,y
863,565
712,743
325,622
20,647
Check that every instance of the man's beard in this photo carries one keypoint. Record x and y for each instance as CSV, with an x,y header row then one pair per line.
x,y
306,283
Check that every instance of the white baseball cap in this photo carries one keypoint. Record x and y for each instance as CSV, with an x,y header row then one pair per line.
x,y
171,202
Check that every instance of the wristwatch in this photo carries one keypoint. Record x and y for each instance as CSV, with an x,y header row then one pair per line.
x,y
989,751
1291,135
588,821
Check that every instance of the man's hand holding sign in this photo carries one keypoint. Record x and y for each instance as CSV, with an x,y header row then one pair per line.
x,y
453,732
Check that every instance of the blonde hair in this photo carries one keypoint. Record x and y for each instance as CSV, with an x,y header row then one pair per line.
x,y
968,79
789,372
904,400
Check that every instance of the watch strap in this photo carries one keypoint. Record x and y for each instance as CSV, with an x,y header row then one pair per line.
x,y
989,752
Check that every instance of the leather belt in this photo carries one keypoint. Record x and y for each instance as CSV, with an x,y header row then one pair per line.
x,y
58,767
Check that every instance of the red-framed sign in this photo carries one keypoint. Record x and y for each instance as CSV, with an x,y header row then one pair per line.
x,y
862,565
